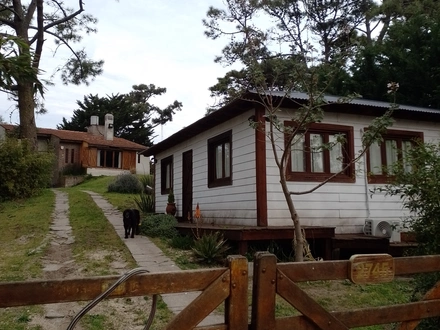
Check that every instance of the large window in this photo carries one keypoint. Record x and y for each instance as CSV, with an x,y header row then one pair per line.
x,y
109,158
220,160
166,175
381,157
321,151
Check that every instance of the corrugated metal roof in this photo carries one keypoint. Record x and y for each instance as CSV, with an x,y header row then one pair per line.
x,y
357,101
246,102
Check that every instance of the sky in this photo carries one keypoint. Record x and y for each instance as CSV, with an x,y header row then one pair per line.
x,y
141,42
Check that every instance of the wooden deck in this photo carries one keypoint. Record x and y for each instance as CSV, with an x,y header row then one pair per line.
x,y
325,243
243,234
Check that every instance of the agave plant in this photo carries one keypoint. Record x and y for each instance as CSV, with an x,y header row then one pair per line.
x,y
145,202
210,248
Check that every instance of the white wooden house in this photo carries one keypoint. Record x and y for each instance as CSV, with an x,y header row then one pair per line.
x,y
227,167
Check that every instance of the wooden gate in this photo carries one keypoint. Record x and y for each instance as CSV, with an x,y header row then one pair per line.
x,y
230,285
271,279
217,285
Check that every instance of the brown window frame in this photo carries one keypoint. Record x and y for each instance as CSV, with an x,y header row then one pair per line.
x,y
348,176
164,189
213,143
399,136
109,158
66,155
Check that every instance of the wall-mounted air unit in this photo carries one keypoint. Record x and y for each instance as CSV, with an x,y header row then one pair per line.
x,y
377,228
383,228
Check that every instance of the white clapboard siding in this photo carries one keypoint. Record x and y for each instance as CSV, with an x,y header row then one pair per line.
x,y
234,204
344,206
341,205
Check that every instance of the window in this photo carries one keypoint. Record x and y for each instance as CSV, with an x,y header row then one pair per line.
x,y
321,151
166,175
66,155
109,158
220,160
381,157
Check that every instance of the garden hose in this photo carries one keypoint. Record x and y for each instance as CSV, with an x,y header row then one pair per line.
x,y
103,295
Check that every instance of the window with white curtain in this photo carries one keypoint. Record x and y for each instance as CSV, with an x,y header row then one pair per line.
x,y
382,156
220,160
321,151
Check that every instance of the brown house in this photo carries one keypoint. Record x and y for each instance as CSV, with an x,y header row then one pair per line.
x,y
97,150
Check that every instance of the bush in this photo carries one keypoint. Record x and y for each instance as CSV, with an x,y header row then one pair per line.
x,y
416,181
125,184
23,172
182,242
147,182
159,225
210,248
145,202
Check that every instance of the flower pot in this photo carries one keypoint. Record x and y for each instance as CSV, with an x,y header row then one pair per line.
x,y
171,208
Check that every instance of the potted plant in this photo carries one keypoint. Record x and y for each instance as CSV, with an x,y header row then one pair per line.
x,y
171,205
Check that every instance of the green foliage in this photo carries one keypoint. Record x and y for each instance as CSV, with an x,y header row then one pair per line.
x,y
145,202
171,197
182,242
416,182
134,116
210,248
24,172
16,66
147,183
126,183
159,225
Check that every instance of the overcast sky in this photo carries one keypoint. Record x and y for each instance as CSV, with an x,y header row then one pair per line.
x,y
141,42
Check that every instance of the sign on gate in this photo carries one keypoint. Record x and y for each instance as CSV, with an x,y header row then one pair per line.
x,y
371,268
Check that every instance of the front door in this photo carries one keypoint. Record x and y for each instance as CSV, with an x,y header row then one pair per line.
x,y
187,186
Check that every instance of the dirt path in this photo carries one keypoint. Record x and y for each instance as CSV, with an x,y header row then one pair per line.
x,y
59,263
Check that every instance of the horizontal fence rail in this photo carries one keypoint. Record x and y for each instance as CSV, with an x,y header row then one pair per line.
x,y
230,285
271,279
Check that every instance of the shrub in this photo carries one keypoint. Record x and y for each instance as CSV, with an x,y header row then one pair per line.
x,y
182,242
23,172
210,248
145,202
126,183
159,225
416,180
147,182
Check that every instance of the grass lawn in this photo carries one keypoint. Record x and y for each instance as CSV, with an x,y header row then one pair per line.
x,y
25,224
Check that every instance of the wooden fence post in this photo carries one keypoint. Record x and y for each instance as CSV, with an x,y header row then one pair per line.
x,y
236,305
264,291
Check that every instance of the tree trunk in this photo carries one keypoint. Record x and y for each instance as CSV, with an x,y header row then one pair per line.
x,y
298,239
26,106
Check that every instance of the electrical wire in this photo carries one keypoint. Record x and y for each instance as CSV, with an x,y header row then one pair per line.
x,y
103,295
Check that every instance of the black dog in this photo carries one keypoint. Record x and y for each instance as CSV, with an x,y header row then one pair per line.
x,y
132,220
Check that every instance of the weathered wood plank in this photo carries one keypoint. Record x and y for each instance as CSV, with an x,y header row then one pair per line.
x,y
417,264
315,271
369,316
54,291
203,305
434,293
338,270
236,307
306,305
264,291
